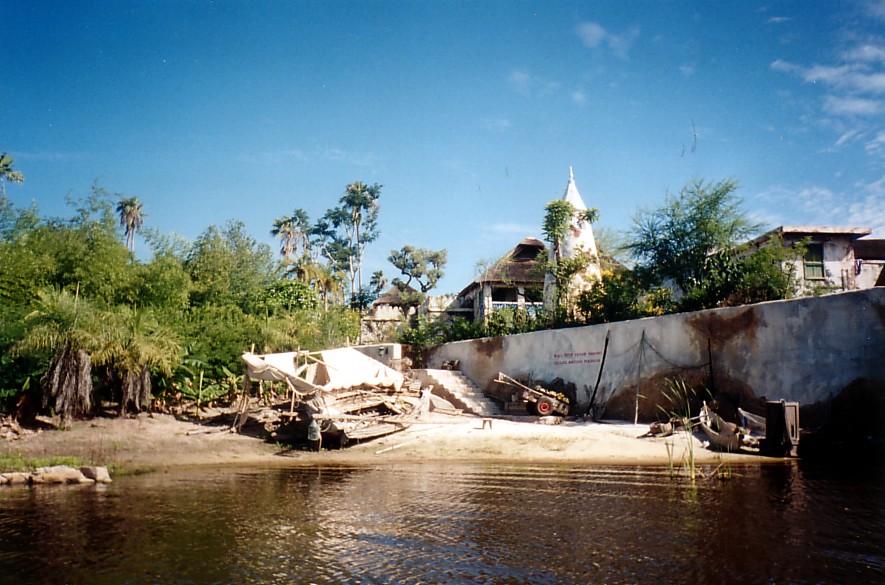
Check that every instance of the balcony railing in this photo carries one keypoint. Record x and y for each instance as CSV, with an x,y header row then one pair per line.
x,y
533,309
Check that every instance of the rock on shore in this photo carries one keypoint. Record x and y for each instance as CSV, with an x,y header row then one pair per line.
x,y
57,474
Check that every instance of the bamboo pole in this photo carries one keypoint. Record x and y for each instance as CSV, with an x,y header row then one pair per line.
x,y
639,380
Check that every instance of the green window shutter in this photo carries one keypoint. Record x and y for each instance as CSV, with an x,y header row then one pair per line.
x,y
814,262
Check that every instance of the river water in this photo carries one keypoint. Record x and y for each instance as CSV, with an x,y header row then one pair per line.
x,y
448,523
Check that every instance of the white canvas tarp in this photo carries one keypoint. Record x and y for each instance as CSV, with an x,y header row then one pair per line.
x,y
335,369
346,367
272,366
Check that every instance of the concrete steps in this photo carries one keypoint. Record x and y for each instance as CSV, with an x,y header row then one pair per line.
x,y
459,390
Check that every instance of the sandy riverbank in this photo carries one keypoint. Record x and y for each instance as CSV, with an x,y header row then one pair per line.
x,y
162,441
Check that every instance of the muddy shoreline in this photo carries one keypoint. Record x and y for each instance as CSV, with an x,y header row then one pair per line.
x,y
156,441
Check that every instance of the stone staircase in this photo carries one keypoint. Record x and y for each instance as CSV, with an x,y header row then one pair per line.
x,y
459,390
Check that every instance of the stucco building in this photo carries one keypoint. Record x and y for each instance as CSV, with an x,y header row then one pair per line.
x,y
836,258
516,280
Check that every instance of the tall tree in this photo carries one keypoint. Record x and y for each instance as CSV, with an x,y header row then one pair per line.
x,y
8,174
329,283
424,267
228,266
674,241
131,214
282,229
94,259
14,222
294,232
355,222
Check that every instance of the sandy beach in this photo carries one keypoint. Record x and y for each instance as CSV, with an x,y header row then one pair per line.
x,y
157,441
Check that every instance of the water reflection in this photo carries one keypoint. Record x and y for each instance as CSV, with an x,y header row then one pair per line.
x,y
436,523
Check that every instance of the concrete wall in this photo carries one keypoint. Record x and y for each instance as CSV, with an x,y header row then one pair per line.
x,y
389,354
869,273
804,350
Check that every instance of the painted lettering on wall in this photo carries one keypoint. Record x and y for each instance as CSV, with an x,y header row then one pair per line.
x,y
577,357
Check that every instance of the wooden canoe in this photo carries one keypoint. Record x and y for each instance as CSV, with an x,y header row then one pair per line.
x,y
723,435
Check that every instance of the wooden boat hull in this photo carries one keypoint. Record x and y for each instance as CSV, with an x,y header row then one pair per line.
x,y
723,435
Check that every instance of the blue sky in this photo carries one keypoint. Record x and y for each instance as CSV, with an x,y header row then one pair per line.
x,y
468,113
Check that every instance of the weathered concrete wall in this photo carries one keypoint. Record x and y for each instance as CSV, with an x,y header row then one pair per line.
x,y
807,350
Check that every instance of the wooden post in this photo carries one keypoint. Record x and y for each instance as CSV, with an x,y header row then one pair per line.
x,y
639,380
599,374
710,362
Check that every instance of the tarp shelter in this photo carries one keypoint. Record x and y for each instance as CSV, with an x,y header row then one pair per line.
x,y
345,367
272,366
334,369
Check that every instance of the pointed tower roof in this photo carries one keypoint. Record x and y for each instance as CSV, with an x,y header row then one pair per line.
x,y
580,238
572,195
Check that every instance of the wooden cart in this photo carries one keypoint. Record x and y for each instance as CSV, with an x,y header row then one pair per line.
x,y
544,402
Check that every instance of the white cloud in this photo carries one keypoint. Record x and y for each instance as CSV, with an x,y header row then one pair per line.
x,y
779,65
621,44
876,189
528,84
495,124
687,70
876,8
779,19
593,35
816,205
276,157
865,52
869,211
850,136
876,146
579,97
854,87
357,159
856,77
520,81
847,138
852,106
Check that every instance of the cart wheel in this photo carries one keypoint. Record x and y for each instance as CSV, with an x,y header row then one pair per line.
x,y
544,406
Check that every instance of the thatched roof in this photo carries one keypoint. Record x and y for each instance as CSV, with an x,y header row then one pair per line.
x,y
518,266
394,296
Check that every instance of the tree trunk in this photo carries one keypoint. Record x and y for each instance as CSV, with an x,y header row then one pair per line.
x,y
135,391
67,384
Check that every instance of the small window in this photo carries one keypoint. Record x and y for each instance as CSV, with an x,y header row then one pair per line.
x,y
504,295
814,262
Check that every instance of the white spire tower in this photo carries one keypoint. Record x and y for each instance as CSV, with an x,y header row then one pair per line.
x,y
578,241
580,238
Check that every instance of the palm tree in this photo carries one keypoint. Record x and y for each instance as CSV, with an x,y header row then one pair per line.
x,y
283,229
131,218
293,231
7,174
329,283
65,325
309,273
132,343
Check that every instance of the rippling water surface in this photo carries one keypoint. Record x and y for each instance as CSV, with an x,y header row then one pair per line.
x,y
443,523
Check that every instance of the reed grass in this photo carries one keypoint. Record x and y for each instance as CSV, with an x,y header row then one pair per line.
x,y
680,396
